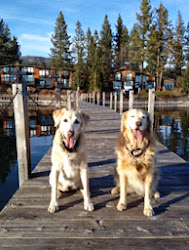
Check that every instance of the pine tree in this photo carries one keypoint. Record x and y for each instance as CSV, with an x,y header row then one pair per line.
x,y
60,53
95,64
186,43
106,55
178,46
134,49
159,44
121,44
79,49
185,84
143,26
9,48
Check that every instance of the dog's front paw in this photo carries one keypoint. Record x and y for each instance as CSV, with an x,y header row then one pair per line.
x,y
53,207
88,206
115,191
148,212
121,206
156,195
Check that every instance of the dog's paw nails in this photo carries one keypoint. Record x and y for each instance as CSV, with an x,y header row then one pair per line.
x,y
115,191
156,195
53,208
89,206
121,206
148,212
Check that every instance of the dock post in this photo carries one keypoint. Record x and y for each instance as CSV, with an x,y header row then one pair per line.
x,y
115,101
111,100
77,100
103,99
98,98
131,99
121,102
22,131
58,98
69,102
151,105
93,97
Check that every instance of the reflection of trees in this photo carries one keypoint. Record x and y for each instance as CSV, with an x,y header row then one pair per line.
x,y
7,156
185,127
171,135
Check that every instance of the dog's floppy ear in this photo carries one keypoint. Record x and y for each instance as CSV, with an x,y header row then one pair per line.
x,y
123,120
57,114
84,119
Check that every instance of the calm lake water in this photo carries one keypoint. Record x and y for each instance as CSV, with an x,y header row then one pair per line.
x,y
171,127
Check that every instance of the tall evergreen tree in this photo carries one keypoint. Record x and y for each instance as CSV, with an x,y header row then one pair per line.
x,y
134,49
106,55
159,44
9,48
60,53
79,49
186,43
178,46
94,58
121,44
144,19
185,84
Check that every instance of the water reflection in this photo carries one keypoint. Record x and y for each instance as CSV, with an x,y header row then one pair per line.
x,y
172,129
41,123
7,156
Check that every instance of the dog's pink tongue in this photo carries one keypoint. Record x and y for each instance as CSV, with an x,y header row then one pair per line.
x,y
69,142
137,134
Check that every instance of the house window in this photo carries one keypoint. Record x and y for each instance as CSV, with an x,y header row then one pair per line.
x,y
12,78
30,69
6,69
137,78
117,85
150,85
169,85
12,69
118,77
128,84
42,83
129,76
24,70
6,77
42,72
65,82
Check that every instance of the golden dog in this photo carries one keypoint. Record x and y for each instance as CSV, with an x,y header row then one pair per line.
x,y
69,157
135,170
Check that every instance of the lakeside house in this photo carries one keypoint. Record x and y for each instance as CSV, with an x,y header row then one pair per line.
x,y
125,79
35,76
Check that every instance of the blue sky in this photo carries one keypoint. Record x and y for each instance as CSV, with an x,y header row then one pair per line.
x,y
33,22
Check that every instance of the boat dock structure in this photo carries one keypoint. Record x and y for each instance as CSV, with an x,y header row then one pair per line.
x,y
25,222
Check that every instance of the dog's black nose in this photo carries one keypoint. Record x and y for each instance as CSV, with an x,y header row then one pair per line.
x,y
138,124
70,133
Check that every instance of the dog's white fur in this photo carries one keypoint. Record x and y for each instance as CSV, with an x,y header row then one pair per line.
x,y
69,157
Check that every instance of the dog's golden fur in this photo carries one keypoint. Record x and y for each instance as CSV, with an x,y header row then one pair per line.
x,y
69,157
135,170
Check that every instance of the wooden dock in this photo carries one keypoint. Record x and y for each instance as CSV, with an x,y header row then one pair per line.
x,y
26,224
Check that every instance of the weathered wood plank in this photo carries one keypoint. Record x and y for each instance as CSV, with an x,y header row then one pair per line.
x,y
25,222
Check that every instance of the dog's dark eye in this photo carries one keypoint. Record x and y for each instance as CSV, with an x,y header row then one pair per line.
x,y
76,121
143,117
65,120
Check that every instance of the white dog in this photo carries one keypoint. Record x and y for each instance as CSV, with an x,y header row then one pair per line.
x,y
69,157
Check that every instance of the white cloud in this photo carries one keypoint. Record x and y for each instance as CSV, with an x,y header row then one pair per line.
x,y
33,44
